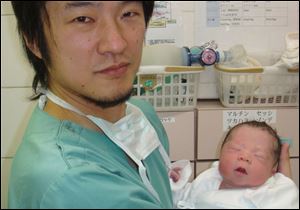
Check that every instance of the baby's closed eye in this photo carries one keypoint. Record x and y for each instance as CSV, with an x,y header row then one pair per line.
x,y
260,156
233,148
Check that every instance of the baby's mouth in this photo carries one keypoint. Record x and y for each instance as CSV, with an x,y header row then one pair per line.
x,y
241,170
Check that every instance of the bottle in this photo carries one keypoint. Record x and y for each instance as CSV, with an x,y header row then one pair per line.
x,y
236,54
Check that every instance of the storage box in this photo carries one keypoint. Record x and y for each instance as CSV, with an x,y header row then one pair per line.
x,y
258,86
168,88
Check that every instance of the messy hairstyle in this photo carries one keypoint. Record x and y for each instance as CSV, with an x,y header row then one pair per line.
x,y
30,16
263,126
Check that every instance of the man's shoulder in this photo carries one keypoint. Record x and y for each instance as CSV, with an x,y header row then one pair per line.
x,y
41,122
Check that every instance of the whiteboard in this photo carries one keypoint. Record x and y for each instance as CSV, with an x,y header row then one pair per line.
x,y
258,25
165,26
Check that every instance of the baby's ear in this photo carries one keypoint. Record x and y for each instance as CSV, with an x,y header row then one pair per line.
x,y
275,169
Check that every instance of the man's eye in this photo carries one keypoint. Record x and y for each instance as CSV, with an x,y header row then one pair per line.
x,y
83,19
129,14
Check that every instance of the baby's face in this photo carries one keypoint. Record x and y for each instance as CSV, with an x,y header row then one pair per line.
x,y
247,158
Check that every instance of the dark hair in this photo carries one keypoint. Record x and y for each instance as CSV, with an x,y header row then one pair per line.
x,y
30,16
264,126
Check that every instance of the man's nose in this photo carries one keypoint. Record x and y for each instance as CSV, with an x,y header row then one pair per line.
x,y
113,39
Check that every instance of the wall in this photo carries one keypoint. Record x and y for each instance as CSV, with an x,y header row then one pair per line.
x,y
16,79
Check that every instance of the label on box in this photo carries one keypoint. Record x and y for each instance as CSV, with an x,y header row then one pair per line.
x,y
233,117
167,120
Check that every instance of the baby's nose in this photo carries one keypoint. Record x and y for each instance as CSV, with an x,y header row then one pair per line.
x,y
244,158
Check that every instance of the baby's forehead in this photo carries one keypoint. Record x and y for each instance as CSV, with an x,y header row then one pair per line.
x,y
245,129
250,134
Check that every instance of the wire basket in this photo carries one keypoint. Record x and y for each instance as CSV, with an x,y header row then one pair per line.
x,y
168,88
258,86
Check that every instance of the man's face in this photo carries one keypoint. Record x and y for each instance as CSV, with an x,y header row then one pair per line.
x,y
95,47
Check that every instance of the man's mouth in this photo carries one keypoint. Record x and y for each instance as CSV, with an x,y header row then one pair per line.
x,y
114,70
241,170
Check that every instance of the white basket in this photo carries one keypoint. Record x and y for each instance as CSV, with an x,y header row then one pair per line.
x,y
258,86
168,88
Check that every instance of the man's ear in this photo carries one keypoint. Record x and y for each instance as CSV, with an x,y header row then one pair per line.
x,y
33,47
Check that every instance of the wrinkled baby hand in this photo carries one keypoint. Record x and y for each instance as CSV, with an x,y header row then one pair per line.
x,y
174,174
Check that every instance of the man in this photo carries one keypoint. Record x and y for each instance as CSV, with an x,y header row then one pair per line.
x,y
76,152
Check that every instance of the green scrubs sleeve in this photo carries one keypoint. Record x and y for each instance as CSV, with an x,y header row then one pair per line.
x,y
84,187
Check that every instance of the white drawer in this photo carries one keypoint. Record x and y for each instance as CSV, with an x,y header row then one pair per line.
x,y
180,129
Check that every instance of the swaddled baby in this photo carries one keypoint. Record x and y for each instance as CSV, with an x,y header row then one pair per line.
x,y
245,176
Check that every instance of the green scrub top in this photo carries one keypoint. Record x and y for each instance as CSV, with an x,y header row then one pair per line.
x,y
60,164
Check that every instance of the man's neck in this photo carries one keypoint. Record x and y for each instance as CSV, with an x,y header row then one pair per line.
x,y
112,114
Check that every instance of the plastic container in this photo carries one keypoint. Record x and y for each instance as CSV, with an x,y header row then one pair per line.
x,y
168,88
257,86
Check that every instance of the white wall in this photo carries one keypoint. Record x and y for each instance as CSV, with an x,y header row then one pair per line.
x,y
16,76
